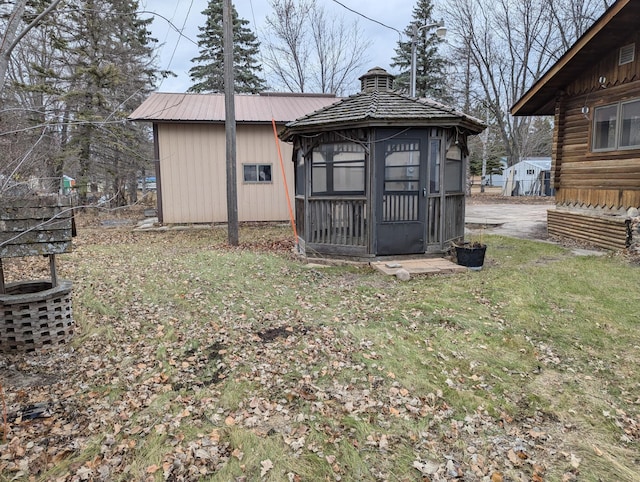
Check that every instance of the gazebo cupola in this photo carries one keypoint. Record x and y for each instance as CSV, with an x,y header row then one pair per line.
x,y
376,79
379,173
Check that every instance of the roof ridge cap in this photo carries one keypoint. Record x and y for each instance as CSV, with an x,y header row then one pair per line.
x,y
373,107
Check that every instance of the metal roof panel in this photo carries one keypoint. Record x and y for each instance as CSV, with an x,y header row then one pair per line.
x,y
282,107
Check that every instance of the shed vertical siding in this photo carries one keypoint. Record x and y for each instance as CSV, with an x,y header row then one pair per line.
x,y
193,190
263,201
192,164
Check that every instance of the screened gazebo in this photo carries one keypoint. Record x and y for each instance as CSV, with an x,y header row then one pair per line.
x,y
380,173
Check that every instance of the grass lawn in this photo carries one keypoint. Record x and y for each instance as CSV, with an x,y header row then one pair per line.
x,y
197,361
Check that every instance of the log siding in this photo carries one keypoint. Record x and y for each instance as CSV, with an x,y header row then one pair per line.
x,y
582,177
595,190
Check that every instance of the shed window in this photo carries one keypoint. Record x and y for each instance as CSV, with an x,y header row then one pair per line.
x,y
257,172
617,126
338,169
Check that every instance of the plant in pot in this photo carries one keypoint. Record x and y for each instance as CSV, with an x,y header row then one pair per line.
x,y
470,253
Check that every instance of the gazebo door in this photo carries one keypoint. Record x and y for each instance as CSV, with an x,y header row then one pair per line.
x,y
402,193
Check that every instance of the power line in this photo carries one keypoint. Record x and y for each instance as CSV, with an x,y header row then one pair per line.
x,y
172,25
369,18
184,24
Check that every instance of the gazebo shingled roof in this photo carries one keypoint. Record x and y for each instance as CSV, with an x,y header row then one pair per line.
x,y
379,108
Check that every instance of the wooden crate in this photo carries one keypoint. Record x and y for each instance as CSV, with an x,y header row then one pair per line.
x,y
34,314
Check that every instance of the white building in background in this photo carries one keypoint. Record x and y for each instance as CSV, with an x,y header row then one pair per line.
x,y
529,177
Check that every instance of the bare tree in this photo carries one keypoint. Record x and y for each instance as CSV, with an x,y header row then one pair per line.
x,y
287,51
504,46
14,31
339,49
573,17
308,49
70,80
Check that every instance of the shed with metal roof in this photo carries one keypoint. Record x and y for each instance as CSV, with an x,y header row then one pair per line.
x,y
380,173
189,149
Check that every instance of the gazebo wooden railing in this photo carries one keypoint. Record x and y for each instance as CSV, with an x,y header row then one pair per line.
x,y
338,221
445,224
400,206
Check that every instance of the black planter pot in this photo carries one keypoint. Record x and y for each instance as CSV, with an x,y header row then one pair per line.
x,y
471,255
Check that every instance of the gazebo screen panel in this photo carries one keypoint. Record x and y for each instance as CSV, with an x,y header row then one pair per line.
x,y
453,173
434,166
402,181
338,168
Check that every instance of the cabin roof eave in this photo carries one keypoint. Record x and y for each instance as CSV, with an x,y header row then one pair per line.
x,y
599,39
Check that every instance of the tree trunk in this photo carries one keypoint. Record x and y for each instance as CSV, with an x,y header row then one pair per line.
x,y
7,41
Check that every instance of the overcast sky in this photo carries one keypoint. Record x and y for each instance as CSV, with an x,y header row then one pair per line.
x,y
176,52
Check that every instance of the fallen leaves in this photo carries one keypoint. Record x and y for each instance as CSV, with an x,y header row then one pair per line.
x,y
426,468
266,466
166,381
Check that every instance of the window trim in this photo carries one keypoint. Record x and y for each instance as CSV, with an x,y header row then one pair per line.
x,y
257,166
618,129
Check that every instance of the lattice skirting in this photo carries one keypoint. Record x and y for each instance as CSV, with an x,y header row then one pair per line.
x,y
34,315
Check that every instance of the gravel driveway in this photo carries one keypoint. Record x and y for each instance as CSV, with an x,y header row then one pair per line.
x,y
519,220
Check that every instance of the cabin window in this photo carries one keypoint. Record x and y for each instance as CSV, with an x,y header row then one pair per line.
x,y
257,172
630,132
338,169
617,126
605,120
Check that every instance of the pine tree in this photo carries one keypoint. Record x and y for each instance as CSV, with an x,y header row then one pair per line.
x,y
430,65
110,54
208,75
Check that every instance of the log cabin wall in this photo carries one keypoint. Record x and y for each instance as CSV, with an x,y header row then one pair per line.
x,y
610,180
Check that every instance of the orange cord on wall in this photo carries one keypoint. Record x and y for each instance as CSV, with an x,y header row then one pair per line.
x,y
284,177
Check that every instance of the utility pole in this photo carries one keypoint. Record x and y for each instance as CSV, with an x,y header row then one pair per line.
x,y
230,125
